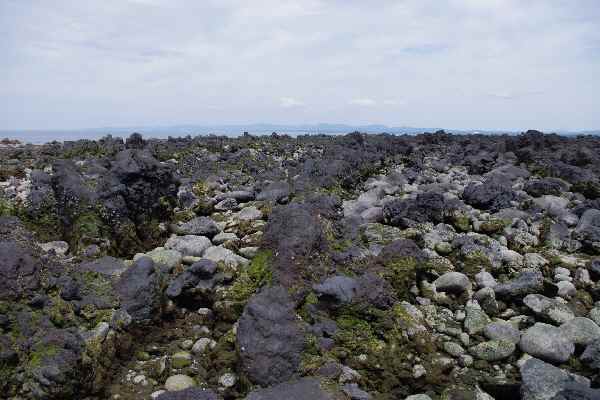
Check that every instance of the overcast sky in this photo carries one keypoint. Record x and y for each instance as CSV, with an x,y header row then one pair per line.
x,y
495,64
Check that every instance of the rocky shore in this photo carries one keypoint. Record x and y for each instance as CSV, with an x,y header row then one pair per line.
x,y
347,267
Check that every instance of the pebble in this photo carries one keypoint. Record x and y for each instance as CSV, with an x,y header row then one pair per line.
x,y
179,382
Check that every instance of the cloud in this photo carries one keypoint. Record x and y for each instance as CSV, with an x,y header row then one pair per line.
x,y
290,102
363,102
70,64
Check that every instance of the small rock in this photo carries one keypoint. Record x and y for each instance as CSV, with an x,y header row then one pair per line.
x,y
249,214
485,279
502,331
202,345
179,382
475,321
493,350
59,247
224,237
454,349
419,371
228,380
566,289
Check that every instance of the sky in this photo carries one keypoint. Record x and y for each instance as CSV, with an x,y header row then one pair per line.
x,y
462,64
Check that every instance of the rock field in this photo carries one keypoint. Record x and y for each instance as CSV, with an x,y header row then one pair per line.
x,y
355,267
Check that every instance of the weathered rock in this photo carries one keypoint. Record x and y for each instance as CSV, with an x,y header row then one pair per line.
x,y
528,281
453,282
550,309
476,320
341,289
200,226
547,342
168,258
581,330
249,214
221,254
270,339
188,245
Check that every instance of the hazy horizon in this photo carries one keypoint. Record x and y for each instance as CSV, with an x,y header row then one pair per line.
x,y
465,64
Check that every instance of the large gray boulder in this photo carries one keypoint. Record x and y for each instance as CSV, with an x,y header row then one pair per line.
x,y
270,338
547,342
542,381
581,330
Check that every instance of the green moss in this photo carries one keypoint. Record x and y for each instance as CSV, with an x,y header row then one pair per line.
x,y
402,275
474,262
461,222
590,190
493,226
200,189
61,313
40,354
7,208
257,274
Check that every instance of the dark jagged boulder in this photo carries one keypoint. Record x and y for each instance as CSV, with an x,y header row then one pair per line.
x,y
140,290
588,230
545,186
270,339
277,192
19,270
402,249
426,207
201,270
490,195
296,235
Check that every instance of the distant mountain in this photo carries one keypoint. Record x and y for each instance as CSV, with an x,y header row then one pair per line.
x,y
42,136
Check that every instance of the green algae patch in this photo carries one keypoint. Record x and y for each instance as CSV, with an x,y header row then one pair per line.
x,y
256,275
